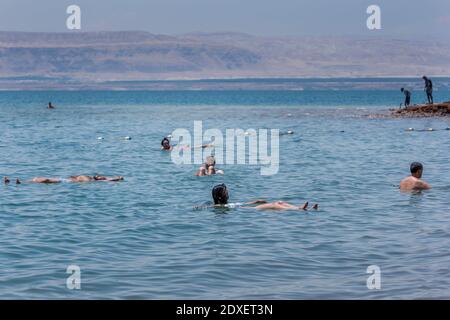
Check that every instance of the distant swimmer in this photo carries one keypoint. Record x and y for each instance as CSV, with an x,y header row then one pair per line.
x,y
414,182
407,94
50,106
79,179
428,89
165,144
208,168
220,197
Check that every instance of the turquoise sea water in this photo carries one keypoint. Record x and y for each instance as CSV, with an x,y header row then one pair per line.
x,y
142,239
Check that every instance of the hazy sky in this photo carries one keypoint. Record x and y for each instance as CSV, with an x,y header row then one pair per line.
x,y
410,18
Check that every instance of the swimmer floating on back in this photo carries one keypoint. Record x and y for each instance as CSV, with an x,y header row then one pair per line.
x,y
220,197
165,145
79,179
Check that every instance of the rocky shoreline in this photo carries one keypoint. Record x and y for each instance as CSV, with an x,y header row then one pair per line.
x,y
418,111
425,110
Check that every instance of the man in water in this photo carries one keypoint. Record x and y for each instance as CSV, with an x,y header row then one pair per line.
x,y
50,106
428,89
414,182
407,94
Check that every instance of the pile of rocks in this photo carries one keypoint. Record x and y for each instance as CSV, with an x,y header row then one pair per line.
x,y
424,110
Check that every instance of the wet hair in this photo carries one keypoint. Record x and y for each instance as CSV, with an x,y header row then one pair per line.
x,y
165,140
416,166
220,194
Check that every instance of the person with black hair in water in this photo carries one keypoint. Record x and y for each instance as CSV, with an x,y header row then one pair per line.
x,y
220,197
414,182
165,144
79,179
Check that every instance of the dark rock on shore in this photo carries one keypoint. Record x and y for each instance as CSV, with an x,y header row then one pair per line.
x,y
424,110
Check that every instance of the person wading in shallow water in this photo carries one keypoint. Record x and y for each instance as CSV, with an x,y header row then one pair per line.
x,y
50,106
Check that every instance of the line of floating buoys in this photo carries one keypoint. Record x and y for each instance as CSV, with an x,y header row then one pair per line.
x,y
123,138
427,129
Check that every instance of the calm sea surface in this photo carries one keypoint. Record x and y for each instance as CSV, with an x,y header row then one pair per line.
x,y
142,239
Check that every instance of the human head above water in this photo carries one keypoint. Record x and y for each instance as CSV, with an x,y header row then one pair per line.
x,y
220,194
165,140
165,143
210,161
402,89
416,169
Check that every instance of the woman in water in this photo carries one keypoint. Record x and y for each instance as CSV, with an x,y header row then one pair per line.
x,y
220,197
165,145
208,168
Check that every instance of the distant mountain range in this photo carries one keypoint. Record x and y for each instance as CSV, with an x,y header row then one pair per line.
x,y
122,56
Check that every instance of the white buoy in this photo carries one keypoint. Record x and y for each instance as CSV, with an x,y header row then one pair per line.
x,y
430,129
127,138
410,129
100,138
290,132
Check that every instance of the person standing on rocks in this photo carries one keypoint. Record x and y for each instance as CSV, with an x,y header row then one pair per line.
x,y
407,94
428,89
